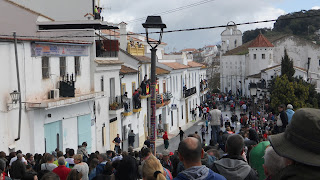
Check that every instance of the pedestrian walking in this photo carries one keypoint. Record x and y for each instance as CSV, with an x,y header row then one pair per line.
x,y
203,131
165,140
131,137
181,133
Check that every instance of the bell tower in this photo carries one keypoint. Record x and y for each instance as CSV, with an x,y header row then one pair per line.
x,y
231,37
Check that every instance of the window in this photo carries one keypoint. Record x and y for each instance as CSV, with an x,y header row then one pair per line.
x,y
62,66
263,56
254,56
270,56
271,77
123,88
102,84
133,86
319,62
45,67
77,65
182,111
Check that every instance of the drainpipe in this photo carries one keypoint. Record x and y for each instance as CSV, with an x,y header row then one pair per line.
x,y
18,80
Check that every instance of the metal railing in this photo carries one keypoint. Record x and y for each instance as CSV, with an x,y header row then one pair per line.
x,y
127,104
115,103
189,92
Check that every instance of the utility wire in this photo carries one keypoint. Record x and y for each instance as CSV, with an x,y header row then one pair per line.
x,y
170,31
172,10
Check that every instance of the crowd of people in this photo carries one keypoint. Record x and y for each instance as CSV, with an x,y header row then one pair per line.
x,y
266,147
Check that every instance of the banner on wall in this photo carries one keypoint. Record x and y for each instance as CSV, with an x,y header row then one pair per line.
x,y
42,49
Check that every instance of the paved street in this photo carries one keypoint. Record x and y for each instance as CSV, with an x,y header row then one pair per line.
x,y
175,140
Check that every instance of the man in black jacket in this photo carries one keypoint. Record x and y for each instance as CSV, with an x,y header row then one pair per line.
x,y
233,165
283,117
18,168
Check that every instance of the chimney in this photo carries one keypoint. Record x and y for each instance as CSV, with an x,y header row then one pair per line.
x,y
123,38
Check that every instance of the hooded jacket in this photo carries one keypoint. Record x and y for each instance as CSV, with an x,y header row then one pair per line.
x,y
199,173
290,113
234,168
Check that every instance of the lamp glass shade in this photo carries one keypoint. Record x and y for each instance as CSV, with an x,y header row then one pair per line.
x,y
15,95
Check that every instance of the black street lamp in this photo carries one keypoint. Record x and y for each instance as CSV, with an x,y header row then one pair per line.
x,y
153,22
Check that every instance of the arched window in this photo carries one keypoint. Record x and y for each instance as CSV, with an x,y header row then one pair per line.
x,y
235,43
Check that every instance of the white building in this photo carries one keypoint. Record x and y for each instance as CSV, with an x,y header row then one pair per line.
x,y
241,65
55,112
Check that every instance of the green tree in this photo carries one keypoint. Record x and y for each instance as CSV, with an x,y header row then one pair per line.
x,y
287,66
282,92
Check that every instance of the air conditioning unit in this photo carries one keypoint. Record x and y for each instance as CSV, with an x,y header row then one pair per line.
x,y
53,94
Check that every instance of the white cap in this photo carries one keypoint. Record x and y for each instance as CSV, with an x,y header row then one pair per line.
x,y
289,106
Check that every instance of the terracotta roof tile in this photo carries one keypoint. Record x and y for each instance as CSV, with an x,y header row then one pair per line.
x,y
194,64
261,41
144,59
160,71
127,70
175,65
108,62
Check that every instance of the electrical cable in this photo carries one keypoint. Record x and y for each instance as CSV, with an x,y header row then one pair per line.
x,y
170,31
173,10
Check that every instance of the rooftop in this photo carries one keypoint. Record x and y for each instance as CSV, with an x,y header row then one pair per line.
x,y
127,70
261,41
175,65
30,10
160,71
194,64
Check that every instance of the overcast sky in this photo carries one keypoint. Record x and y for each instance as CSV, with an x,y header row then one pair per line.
x,y
215,12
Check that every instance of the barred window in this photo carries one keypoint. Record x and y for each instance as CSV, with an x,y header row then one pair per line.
x,y
63,66
77,65
45,67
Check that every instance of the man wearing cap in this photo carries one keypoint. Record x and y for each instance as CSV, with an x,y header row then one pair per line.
x,y
300,146
166,163
289,112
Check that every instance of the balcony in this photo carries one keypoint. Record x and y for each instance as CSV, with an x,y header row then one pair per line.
x,y
115,105
136,104
189,92
66,86
127,104
203,85
163,99
135,49
145,90
107,48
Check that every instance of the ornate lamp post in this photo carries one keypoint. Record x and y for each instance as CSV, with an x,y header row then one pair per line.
x,y
253,93
155,23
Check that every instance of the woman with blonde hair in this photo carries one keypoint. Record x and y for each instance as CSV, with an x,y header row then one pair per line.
x,y
153,170
81,166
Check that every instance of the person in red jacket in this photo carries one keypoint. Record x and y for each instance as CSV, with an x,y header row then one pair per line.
x,y
62,171
166,140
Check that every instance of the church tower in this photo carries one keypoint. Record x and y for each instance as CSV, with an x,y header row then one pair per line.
x,y
231,37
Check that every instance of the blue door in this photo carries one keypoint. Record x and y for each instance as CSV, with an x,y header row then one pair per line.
x,y
84,130
53,136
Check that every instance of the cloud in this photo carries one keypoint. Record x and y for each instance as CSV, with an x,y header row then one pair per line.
x,y
315,7
210,14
